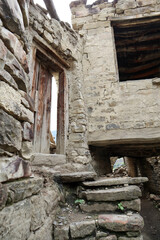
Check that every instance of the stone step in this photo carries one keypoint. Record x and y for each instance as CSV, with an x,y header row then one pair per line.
x,y
114,194
92,207
106,227
116,181
52,160
75,177
121,223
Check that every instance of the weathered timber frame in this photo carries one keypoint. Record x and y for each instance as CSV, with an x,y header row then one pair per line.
x,y
53,63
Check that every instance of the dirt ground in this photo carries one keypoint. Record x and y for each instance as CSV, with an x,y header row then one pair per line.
x,y
151,217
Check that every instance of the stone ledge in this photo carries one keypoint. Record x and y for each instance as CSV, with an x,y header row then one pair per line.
x,y
122,136
19,190
40,159
116,181
124,193
75,177
90,207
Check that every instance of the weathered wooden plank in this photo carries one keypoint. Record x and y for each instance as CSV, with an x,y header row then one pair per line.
x,y
42,113
61,114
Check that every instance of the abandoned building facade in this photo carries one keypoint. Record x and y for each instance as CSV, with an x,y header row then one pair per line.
x,y
108,76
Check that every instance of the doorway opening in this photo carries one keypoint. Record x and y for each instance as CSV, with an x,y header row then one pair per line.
x,y
53,123
49,94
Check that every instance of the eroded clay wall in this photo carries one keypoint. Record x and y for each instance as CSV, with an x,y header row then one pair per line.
x,y
116,110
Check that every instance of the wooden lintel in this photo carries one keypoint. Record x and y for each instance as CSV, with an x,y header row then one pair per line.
x,y
47,50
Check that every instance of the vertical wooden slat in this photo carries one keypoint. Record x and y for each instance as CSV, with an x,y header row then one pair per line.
x,y
61,116
42,113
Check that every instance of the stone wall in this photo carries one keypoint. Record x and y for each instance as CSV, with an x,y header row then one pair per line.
x,y
116,110
29,204
150,168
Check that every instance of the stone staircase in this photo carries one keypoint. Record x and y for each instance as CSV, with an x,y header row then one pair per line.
x,y
103,209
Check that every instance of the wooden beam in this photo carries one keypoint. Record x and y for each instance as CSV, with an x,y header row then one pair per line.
x,y
136,59
136,48
51,9
141,31
139,68
143,75
146,57
135,22
143,38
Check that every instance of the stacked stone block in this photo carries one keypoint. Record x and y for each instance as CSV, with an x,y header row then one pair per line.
x,y
113,206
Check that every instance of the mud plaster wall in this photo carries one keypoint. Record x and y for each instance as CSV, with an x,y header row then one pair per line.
x,y
115,110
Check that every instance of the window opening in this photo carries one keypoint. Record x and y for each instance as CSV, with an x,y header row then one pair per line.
x,y
138,48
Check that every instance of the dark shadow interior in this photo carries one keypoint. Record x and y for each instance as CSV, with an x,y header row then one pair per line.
x,y
138,48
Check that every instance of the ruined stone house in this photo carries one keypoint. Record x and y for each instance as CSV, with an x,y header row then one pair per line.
x,y
107,70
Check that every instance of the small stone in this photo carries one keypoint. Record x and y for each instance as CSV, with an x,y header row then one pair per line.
x,y
82,229
111,237
26,150
3,196
133,234
27,131
101,234
131,238
61,233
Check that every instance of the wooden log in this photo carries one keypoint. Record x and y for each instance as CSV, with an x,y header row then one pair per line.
x,y
139,68
141,48
146,74
135,22
51,9
143,38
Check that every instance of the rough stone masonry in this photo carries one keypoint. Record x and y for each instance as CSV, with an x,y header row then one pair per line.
x,y
95,108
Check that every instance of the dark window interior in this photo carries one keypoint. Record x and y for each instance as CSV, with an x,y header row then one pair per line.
x,y
138,48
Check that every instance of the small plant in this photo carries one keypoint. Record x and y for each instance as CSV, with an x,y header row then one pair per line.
x,y
120,206
79,201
